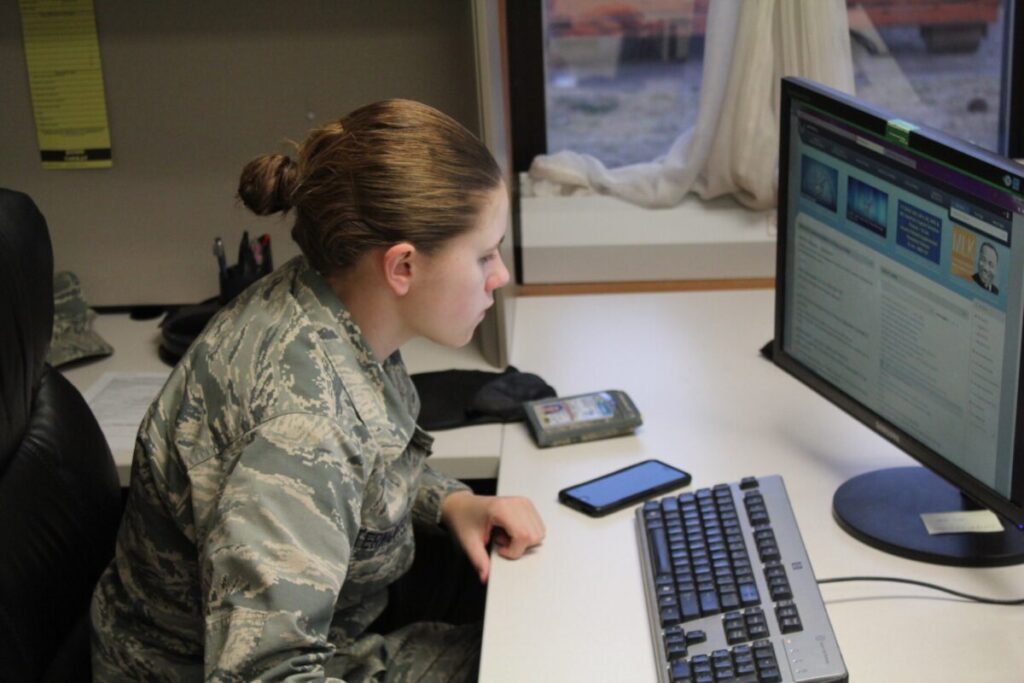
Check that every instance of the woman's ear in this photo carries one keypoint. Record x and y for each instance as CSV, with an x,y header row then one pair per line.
x,y
398,267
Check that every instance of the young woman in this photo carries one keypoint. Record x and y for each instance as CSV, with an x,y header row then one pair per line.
x,y
278,476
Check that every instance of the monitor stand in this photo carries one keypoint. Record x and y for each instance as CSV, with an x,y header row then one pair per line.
x,y
883,509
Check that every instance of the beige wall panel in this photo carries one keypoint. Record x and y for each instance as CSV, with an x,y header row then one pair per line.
x,y
495,334
196,90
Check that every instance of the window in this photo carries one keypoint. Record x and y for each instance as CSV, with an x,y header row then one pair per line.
x,y
936,63
621,80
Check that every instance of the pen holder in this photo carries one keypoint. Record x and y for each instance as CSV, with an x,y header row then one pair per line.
x,y
254,261
233,280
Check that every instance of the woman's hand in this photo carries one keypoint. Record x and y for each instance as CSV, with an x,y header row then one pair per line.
x,y
511,522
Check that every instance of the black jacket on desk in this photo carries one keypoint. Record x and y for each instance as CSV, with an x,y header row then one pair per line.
x,y
457,398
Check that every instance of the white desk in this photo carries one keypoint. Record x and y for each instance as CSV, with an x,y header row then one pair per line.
x,y
573,610
465,453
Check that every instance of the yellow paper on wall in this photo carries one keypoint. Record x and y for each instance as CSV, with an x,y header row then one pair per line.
x,y
66,81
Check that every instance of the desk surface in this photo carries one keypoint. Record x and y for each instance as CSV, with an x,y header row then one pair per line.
x,y
465,453
573,609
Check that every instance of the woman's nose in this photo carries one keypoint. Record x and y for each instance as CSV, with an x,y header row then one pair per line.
x,y
499,278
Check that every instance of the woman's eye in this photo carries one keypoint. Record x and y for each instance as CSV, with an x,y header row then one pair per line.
x,y
488,258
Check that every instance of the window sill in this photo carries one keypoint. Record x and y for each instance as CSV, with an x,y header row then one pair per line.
x,y
602,239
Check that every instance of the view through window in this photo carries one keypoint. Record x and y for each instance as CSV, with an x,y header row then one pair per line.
x,y
623,78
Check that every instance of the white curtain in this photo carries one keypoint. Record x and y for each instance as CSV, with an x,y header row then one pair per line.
x,y
733,147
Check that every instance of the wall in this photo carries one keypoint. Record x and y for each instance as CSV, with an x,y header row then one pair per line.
x,y
596,238
195,92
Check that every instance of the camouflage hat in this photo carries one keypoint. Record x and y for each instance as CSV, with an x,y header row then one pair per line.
x,y
73,336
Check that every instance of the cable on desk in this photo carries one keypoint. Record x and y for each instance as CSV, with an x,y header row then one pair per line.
x,y
925,584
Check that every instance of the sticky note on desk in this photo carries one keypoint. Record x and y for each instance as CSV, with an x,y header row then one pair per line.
x,y
962,522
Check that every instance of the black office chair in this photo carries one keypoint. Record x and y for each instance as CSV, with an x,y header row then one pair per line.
x,y
60,501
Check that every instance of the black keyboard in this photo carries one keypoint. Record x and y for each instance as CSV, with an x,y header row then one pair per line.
x,y
730,591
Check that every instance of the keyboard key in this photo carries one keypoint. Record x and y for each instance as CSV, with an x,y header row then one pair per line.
x,y
676,652
742,652
790,625
746,670
695,637
700,663
709,602
659,551
748,593
674,632
786,609
759,631
680,670
729,600
736,635
759,518
689,606
670,616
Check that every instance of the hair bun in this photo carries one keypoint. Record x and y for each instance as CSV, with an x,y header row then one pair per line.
x,y
267,184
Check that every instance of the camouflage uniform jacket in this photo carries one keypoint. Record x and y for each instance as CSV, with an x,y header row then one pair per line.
x,y
274,485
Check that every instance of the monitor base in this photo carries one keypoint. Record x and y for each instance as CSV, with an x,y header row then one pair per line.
x,y
883,509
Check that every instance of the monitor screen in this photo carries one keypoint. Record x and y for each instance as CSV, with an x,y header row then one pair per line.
x,y
900,286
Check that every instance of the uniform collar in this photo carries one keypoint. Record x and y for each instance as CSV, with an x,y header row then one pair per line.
x,y
382,394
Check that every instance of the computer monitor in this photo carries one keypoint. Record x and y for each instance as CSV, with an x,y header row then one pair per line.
x,y
900,298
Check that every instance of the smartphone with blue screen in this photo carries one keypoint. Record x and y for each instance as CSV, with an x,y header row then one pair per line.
x,y
621,488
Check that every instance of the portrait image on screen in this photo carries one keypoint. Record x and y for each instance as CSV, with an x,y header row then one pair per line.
x,y
900,298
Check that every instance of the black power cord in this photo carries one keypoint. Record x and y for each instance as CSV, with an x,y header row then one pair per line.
x,y
925,584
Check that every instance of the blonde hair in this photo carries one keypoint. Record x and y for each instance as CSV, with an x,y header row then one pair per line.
x,y
389,172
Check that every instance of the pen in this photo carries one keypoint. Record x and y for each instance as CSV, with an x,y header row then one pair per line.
x,y
246,263
257,253
218,251
268,261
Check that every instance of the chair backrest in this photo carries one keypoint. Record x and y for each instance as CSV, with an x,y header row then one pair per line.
x,y
60,501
